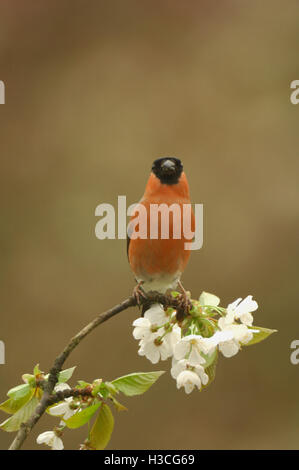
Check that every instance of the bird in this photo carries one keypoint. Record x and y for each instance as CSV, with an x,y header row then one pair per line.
x,y
158,263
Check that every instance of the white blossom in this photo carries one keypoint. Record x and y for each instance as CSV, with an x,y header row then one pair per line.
x,y
50,439
189,380
173,337
189,376
156,315
184,364
153,318
241,334
155,349
209,299
241,310
156,342
161,337
229,348
178,367
63,409
219,337
191,347
142,328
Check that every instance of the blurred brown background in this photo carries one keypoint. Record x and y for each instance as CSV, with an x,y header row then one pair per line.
x,y
95,91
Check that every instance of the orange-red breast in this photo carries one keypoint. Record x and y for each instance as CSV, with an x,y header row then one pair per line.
x,y
159,263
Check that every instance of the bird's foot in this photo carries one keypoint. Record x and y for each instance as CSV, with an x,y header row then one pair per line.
x,y
138,292
184,303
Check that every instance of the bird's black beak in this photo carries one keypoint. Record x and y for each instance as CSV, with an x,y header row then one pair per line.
x,y
168,166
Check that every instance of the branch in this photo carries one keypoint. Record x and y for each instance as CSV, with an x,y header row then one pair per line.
x,y
47,398
72,392
26,428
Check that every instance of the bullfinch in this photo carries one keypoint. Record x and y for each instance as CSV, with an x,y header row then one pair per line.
x,y
159,256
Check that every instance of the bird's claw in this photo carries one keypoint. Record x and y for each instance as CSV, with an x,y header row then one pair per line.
x,y
184,304
138,293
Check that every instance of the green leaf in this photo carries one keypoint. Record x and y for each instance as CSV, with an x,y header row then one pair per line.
x,y
11,406
65,375
175,294
209,358
111,388
211,370
97,385
36,370
207,327
21,416
82,384
260,336
118,405
101,431
29,379
19,391
8,406
103,390
82,417
209,299
136,383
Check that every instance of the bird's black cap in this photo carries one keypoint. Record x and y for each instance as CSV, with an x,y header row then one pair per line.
x,y
168,169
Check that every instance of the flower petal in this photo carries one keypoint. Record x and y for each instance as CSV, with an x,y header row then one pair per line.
x,y
45,437
181,349
57,444
156,315
59,410
229,348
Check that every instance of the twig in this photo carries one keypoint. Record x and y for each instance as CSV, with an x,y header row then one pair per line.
x,y
47,397
72,392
